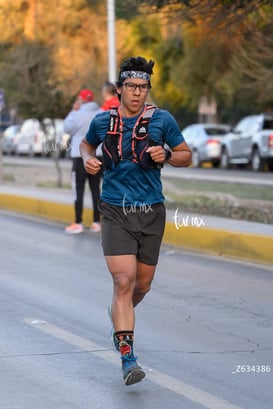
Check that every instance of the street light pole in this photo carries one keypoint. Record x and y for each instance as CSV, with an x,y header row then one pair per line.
x,y
111,40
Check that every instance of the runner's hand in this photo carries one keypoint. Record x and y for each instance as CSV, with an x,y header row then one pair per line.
x,y
157,153
92,165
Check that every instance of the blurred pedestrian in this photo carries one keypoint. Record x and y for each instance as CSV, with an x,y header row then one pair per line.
x,y
110,97
76,124
133,212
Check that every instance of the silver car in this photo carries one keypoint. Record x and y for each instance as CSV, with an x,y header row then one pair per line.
x,y
205,142
251,142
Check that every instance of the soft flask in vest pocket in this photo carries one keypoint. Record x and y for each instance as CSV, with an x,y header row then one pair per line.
x,y
110,151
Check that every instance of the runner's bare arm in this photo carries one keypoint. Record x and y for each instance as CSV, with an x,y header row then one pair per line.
x,y
91,163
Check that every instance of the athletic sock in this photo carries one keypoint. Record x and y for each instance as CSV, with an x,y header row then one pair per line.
x,y
125,341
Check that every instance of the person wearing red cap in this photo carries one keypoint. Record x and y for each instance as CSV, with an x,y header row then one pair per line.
x,y
76,124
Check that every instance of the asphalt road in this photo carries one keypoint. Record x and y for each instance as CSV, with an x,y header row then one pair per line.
x,y
210,174
204,333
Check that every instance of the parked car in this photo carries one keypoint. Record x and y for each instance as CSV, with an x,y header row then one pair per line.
x,y
42,138
10,136
205,142
31,138
251,142
56,139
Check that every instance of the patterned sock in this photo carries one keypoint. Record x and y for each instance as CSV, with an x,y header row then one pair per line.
x,y
125,340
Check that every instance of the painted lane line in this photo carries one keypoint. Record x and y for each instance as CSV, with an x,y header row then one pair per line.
x,y
74,340
190,392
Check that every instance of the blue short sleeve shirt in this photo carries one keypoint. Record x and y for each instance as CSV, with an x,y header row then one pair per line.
x,y
128,183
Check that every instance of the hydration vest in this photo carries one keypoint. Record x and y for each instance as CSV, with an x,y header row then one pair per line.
x,y
112,145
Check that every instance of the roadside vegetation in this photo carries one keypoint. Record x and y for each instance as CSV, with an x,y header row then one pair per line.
x,y
224,199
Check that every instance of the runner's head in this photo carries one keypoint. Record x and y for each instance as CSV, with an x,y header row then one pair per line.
x,y
135,67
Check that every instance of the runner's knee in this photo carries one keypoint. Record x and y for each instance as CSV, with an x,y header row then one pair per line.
x,y
123,282
142,288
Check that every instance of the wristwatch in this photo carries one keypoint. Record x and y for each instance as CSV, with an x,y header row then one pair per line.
x,y
168,155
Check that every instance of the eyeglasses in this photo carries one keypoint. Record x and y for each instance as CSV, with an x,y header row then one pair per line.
x,y
131,86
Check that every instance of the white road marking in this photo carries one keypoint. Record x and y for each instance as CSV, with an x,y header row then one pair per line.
x,y
190,392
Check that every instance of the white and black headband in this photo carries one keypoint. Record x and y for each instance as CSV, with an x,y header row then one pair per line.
x,y
135,74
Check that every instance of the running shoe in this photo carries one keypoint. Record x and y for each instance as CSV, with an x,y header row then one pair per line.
x,y
74,228
95,227
132,372
113,340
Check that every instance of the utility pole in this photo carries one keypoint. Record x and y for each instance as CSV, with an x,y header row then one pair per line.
x,y
111,41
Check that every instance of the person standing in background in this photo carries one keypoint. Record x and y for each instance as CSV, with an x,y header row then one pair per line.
x,y
110,96
76,124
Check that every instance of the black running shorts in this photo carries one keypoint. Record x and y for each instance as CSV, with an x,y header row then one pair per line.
x,y
133,230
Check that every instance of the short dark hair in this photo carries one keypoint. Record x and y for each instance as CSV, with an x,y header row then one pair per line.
x,y
135,64
110,88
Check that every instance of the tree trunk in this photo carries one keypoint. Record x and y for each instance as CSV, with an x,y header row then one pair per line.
x,y
55,154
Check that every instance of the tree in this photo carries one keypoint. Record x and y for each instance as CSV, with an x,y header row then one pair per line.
x,y
255,65
45,60
224,48
75,43
201,47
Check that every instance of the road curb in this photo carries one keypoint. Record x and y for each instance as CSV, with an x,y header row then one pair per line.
x,y
251,247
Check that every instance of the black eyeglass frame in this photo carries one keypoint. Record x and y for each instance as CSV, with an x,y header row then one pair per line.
x,y
142,87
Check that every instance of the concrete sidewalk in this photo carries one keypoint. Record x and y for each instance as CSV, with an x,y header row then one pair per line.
x,y
221,236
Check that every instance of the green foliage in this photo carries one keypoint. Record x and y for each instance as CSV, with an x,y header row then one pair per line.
x,y
29,81
46,59
127,9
